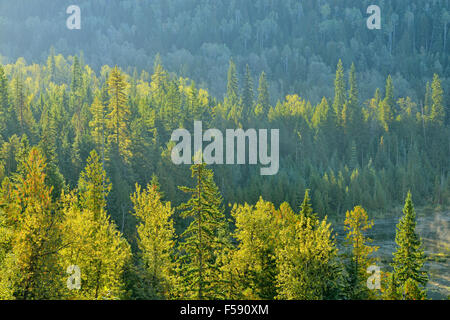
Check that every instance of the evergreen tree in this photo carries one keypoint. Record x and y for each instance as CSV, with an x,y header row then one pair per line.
x,y
339,92
353,119
409,257
263,101
203,238
356,224
118,115
232,85
391,292
77,75
51,67
159,82
20,105
247,94
306,259
156,239
253,263
386,106
306,209
92,242
30,214
437,96
47,145
427,101
4,103
98,124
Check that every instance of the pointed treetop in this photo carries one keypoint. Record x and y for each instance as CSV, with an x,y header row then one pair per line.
x,y
306,209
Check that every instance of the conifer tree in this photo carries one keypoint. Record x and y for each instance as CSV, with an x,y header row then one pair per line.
x,y
232,85
51,67
77,76
356,224
118,115
47,145
353,90
263,101
5,118
158,82
204,238
156,239
391,291
437,97
20,103
306,260
409,257
339,92
253,263
34,223
247,94
387,105
6,254
98,124
306,209
427,101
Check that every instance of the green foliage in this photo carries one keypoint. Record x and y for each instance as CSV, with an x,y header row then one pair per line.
x,y
339,92
360,257
437,108
253,264
306,259
118,113
262,103
409,258
204,238
30,234
358,150
306,209
156,240
91,241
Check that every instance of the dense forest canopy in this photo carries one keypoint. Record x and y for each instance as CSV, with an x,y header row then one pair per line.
x,y
86,118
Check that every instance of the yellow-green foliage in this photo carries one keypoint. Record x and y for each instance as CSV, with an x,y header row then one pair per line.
x,y
156,239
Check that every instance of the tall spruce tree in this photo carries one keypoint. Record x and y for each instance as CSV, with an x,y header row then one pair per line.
x,y
204,238
386,107
306,207
247,93
98,123
437,114
263,102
